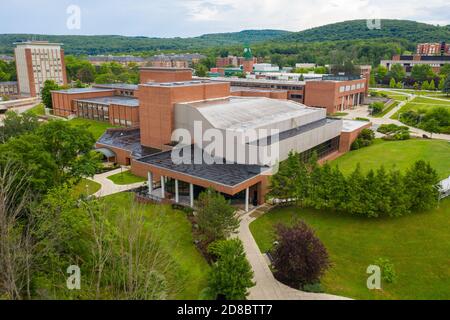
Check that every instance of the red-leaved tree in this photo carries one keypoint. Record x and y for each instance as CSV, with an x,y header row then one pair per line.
x,y
299,258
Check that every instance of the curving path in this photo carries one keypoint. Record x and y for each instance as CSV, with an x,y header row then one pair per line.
x,y
267,287
109,187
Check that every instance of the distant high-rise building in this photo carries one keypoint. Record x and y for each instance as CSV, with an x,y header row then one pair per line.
x,y
37,62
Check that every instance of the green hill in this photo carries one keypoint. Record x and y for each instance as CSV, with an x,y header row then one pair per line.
x,y
93,45
357,29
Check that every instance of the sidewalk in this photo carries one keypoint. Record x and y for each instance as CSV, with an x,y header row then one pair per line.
x,y
109,187
267,287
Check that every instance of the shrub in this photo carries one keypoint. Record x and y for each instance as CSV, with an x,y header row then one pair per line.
x,y
388,273
376,107
300,258
394,132
364,139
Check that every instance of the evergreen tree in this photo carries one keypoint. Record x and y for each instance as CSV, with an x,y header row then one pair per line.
x,y
356,186
432,85
420,185
395,188
392,83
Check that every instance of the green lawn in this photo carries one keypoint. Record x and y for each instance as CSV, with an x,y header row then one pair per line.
x,y
431,101
125,178
38,110
417,244
174,231
97,128
402,154
387,110
86,187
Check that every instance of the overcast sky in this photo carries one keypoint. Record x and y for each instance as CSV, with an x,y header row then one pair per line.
x,y
183,18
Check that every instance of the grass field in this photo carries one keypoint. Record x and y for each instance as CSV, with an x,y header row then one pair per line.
x,y
174,232
38,110
401,154
86,187
387,110
97,128
125,178
418,245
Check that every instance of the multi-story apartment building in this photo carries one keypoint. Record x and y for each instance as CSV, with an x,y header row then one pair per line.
x,y
37,62
433,49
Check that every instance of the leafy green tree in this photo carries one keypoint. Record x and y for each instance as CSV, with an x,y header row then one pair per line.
x,y
425,85
69,146
445,70
49,85
201,70
215,216
231,276
15,124
446,86
397,72
380,73
431,126
422,72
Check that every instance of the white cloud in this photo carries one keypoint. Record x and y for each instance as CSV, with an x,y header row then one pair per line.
x,y
298,15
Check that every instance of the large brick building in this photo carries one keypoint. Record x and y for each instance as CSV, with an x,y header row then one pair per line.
x,y
408,62
334,93
169,100
37,62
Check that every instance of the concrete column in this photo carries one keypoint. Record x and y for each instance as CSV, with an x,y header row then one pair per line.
x,y
247,199
191,195
342,103
150,182
163,187
177,196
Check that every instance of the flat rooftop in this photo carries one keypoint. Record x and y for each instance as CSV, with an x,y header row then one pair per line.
x,y
124,86
82,90
179,83
241,113
252,89
122,101
165,69
229,175
352,125
129,140
256,81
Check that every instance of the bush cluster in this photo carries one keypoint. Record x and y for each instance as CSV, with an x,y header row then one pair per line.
x,y
394,132
365,139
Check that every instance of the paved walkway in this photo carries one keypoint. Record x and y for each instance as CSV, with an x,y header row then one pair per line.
x,y
267,287
109,187
363,112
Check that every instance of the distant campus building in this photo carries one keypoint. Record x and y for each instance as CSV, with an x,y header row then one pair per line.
x,y
169,99
432,54
37,62
433,49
